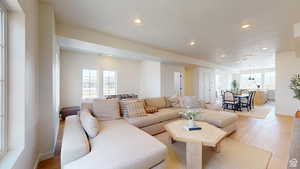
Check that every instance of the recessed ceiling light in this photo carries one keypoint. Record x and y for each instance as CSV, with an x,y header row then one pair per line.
x,y
223,56
192,43
246,26
137,21
264,48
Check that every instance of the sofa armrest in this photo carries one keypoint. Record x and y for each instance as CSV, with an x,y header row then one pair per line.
x,y
75,143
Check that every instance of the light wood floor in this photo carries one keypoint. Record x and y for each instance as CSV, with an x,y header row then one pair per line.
x,y
272,134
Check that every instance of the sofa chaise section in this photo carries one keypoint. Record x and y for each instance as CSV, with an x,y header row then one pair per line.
x,y
119,145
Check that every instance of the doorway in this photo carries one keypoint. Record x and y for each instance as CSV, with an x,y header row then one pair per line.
x,y
178,83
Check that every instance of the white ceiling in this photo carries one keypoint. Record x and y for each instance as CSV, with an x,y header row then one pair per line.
x,y
215,26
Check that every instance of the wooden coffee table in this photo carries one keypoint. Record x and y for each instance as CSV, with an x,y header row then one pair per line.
x,y
209,135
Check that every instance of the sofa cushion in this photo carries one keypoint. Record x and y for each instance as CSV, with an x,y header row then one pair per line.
x,y
159,102
75,143
143,121
218,118
89,123
168,113
106,109
120,145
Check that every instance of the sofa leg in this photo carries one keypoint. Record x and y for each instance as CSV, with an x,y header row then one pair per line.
x,y
172,141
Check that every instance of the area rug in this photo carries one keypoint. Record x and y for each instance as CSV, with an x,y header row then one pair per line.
x,y
232,155
258,112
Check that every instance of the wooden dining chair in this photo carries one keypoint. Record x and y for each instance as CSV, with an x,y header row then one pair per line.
x,y
246,103
252,99
229,102
244,91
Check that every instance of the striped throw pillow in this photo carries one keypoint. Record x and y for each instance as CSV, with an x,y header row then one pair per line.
x,y
132,108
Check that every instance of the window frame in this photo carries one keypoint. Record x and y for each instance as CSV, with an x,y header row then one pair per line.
x,y
116,81
3,111
97,93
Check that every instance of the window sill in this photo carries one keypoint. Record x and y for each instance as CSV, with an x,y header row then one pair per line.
x,y
9,159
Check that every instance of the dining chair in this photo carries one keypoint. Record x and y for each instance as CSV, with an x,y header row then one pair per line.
x,y
244,91
229,101
246,102
252,99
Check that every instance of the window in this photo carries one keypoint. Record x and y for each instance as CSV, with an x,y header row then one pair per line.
x,y
245,83
3,80
89,83
266,80
109,83
269,80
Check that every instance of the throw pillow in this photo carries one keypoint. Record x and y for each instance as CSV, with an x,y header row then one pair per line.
x,y
191,102
151,109
124,106
105,109
176,101
89,123
136,109
159,102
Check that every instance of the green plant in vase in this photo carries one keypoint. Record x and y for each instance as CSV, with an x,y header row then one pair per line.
x,y
295,86
234,86
190,116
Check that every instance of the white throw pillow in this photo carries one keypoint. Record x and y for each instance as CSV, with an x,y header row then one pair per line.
x,y
89,123
191,102
106,109
176,101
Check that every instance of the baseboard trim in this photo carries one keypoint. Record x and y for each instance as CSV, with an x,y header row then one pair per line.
x,y
46,156
42,157
37,161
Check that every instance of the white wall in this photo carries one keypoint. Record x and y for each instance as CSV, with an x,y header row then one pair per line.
x,y
167,78
49,117
128,73
287,65
150,84
23,84
225,79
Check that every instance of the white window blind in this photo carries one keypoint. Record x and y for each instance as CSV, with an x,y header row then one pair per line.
x,y
89,83
3,124
109,83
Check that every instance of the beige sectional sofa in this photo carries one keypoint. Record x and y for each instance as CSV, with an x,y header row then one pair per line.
x,y
154,123
119,145
126,142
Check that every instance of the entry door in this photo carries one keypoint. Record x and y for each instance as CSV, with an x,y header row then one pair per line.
x,y
178,83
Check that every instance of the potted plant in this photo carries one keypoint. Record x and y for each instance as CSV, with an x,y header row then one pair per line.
x,y
190,116
234,86
295,86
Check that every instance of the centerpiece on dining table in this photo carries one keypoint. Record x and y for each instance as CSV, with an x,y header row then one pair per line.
x,y
190,115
